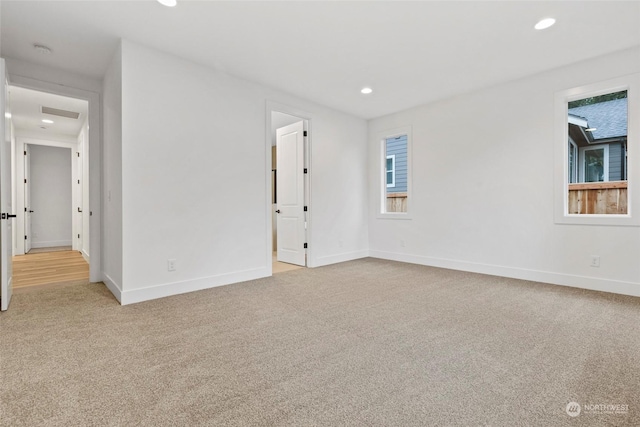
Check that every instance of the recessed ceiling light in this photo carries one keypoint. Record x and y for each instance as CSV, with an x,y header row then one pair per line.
x,y
47,121
42,49
544,23
7,115
366,90
590,129
168,3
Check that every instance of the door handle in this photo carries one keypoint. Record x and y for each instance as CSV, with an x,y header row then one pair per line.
x,y
79,210
30,211
7,216
278,211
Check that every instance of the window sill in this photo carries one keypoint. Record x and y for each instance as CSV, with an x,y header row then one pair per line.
x,y
398,216
598,219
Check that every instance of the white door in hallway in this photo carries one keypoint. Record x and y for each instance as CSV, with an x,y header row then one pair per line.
x,y
27,198
291,232
77,213
6,222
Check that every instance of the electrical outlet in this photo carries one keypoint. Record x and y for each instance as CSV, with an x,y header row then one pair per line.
x,y
595,261
171,265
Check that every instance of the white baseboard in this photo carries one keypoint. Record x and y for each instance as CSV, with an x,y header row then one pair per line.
x,y
112,286
86,256
343,257
50,243
176,288
584,282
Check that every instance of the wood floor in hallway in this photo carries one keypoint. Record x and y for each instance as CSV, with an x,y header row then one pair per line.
x,y
40,269
280,267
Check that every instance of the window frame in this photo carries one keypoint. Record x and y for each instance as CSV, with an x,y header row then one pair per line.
x,y
381,139
572,175
630,83
582,163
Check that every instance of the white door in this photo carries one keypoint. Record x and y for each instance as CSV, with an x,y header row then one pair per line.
x,y
290,194
77,213
27,198
5,193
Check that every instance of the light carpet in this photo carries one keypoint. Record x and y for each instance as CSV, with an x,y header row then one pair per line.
x,y
362,343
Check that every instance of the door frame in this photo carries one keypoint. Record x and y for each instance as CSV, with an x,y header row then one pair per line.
x,y
95,155
19,176
298,128
272,107
24,184
6,181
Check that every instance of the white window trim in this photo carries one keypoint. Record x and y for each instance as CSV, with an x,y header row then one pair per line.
x,y
392,170
631,84
382,176
581,163
574,170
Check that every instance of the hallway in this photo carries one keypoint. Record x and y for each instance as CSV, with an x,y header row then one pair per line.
x,y
35,270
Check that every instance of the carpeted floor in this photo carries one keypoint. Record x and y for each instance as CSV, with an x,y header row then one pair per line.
x,y
363,343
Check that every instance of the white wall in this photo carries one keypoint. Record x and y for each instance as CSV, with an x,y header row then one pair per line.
x,y
38,139
50,170
195,168
19,68
483,187
112,176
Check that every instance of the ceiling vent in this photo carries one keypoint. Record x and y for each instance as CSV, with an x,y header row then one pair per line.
x,y
61,113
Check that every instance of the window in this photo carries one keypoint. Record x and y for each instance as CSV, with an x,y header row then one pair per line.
x,y
391,170
598,124
395,168
595,164
573,161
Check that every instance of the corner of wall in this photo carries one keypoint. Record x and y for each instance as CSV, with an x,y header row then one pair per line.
x,y
554,278
340,257
186,286
111,254
115,289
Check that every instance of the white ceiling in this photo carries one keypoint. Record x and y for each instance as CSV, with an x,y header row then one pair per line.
x,y
27,117
411,53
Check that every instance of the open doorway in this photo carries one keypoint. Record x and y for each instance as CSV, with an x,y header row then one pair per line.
x,y
50,189
289,190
